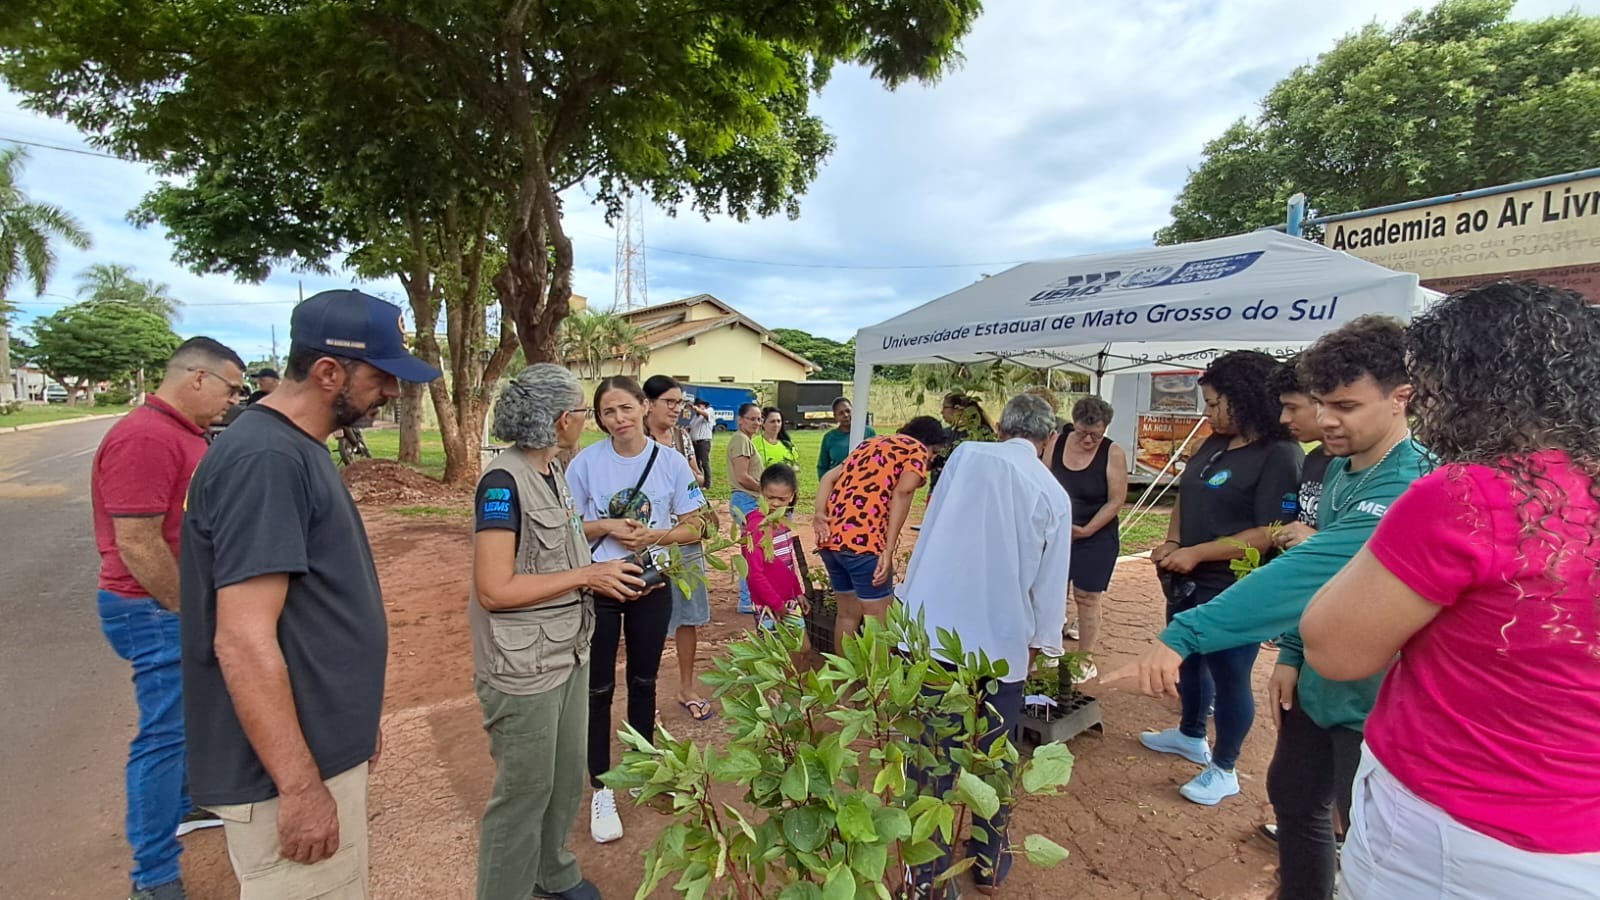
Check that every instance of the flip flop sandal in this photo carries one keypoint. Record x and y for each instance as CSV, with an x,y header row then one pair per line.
x,y
699,710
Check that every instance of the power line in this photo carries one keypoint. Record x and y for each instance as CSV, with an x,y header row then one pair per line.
x,y
780,264
80,152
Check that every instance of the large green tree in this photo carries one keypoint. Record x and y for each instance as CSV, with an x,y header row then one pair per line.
x,y
436,140
107,282
835,361
27,230
1454,98
88,343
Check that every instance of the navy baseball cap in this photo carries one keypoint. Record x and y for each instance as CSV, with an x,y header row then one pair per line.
x,y
358,326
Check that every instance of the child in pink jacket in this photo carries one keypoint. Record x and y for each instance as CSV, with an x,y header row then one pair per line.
x,y
775,586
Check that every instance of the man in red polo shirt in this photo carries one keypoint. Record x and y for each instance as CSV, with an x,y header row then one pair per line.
x,y
139,484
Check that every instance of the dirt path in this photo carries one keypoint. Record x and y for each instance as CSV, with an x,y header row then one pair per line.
x,y
1130,833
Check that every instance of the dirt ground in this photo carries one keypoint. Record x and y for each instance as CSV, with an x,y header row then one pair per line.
x,y
1129,832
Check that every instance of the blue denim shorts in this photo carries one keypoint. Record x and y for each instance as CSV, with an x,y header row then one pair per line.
x,y
849,571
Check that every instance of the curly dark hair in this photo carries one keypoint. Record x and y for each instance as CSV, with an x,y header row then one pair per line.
x,y
1503,372
1286,378
1370,345
1242,378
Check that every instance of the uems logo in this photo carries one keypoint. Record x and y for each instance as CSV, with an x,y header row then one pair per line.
x,y
1073,286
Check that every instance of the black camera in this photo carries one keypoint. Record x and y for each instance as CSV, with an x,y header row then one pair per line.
x,y
648,571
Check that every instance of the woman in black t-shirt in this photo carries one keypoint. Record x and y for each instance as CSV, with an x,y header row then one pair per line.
x,y
1245,477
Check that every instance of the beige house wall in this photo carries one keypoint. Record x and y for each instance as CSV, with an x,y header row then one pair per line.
x,y
732,354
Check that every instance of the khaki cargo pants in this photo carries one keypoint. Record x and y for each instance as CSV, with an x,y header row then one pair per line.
x,y
252,831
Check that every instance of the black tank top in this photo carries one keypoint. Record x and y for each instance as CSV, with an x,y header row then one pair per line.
x,y
1088,488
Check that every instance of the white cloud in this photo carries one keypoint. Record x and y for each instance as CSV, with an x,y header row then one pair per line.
x,y
1067,130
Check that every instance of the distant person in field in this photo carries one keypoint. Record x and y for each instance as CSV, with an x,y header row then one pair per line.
x,y
701,429
836,440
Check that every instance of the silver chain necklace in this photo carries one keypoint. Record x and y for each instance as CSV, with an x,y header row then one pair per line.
x,y
1333,495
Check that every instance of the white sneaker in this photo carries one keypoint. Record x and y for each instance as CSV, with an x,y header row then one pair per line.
x,y
605,825
1089,674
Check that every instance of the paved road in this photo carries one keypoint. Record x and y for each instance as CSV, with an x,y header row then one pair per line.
x,y
68,704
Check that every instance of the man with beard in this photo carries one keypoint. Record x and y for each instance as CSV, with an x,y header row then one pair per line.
x,y
284,634
1357,377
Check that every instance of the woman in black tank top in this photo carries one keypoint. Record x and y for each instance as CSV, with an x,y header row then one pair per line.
x,y
1094,472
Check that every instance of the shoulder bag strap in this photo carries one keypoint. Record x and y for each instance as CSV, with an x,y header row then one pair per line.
x,y
655,450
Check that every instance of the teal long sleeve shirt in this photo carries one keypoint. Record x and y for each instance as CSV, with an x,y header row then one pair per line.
x,y
1268,602
835,447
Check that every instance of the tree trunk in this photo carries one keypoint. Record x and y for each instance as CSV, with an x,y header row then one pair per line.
x,y
6,379
411,422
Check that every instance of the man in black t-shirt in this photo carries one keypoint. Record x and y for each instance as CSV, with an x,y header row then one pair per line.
x,y
283,629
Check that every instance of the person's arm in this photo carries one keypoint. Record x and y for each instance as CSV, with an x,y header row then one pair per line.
x,y
145,552
743,478
1356,625
1116,492
494,572
1174,534
819,513
905,490
762,591
1048,592
825,455
1280,479
136,479
257,678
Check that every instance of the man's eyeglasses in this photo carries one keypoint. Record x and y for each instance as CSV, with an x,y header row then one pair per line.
x,y
239,389
1087,435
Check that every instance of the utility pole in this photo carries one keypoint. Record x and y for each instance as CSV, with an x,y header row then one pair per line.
x,y
8,384
275,346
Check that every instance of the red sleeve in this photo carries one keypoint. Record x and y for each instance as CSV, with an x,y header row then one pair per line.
x,y
762,590
137,476
1436,537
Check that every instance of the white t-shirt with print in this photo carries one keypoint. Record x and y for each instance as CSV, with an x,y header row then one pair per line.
x,y
601,480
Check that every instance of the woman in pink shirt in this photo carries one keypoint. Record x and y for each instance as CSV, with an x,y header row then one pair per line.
x,y
1481,770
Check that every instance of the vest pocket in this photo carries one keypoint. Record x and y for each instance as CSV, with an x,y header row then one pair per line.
x,y
552,532
537,642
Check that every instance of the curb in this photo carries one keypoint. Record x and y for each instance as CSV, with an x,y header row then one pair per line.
x,y
38,425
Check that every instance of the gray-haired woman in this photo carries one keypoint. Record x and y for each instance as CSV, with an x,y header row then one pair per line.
x,y
532,619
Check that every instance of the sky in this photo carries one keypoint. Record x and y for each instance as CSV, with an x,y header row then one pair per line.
x,y
1068,129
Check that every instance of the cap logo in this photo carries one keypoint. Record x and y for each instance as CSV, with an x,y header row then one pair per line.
x,y
353,345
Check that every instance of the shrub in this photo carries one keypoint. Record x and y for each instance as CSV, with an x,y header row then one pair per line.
x,y
822,758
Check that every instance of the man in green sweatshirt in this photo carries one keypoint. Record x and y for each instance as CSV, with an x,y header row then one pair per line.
x,y
1358,379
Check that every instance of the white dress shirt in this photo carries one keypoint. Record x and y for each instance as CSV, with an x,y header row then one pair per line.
x,y
991,562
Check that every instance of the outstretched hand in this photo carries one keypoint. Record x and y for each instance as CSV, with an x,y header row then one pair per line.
x,y
1155,672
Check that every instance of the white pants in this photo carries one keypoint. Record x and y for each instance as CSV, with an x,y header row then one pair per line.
x,y
1402,847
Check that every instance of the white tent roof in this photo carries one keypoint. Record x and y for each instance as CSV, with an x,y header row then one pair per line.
x,y
1147,308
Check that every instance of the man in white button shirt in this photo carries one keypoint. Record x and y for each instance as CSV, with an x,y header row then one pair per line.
x,y
991,565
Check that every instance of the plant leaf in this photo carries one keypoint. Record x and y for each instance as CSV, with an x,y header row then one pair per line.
x,y
975,793
1051,767
1042,851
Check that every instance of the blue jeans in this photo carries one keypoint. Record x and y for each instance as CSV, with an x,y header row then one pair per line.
x,y
1224,677
742,505
145,633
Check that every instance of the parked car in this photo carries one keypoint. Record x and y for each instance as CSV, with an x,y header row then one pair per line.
x,y
55,393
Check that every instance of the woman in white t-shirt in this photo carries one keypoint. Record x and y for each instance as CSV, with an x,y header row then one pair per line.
x,y
635,496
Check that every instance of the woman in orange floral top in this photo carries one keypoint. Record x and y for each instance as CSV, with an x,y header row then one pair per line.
x,y
861,506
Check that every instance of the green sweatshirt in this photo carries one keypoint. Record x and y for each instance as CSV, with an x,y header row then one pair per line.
x,y
1268,602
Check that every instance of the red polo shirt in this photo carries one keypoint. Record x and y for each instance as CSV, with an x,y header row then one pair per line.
x,y
142,469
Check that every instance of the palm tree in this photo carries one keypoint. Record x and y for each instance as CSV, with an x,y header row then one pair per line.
x,y
106,282
589,340
26,231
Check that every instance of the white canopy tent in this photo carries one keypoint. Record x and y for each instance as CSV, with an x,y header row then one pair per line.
x,y
1142,310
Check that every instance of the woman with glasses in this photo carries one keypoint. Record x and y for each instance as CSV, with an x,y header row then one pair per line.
x,y
1479,592
744,478
532,618
1243,480
1094,472
635,497
692,609
773,444
966,421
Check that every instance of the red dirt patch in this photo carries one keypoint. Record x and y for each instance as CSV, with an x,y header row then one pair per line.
x,y
382,483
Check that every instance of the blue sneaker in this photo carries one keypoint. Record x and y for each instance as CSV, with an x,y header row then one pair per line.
x,y
1211,786
1195,750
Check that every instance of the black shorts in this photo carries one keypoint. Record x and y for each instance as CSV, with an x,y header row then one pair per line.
x,y
1094,557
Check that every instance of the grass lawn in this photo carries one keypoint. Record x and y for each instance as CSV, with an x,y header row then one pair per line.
x,y
55,412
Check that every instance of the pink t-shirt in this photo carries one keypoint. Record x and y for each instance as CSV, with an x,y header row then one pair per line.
x,y
773,580
1492,712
